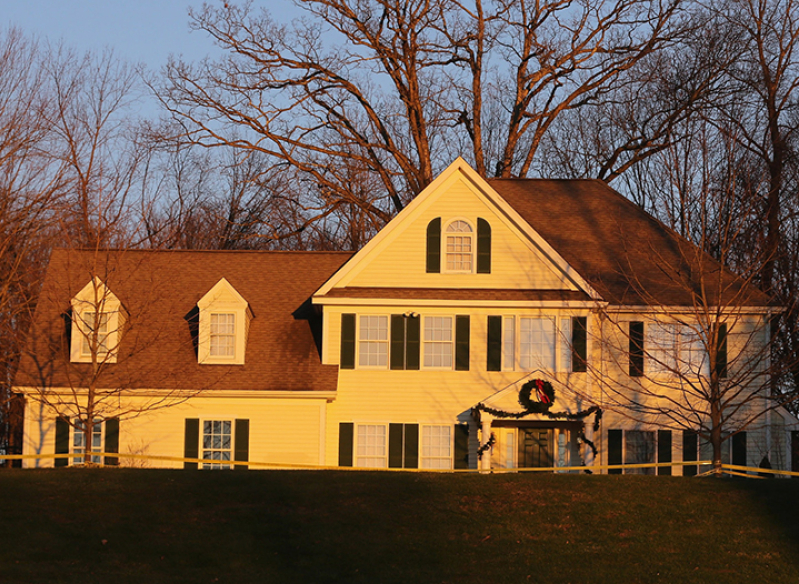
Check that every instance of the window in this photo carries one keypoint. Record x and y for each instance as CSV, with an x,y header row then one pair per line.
x,y
373,337
222,440
371,446
677,349
221,326
98,319
223,335
217,443
438,341
536,343
79,441
460,244
91,322
436,447
639,448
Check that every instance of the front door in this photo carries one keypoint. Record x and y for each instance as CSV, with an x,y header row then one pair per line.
x,y
535,448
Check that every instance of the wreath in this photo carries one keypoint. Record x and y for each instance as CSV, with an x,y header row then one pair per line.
x,y
545,398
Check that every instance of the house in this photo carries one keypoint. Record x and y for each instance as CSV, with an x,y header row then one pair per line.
x,y
491,324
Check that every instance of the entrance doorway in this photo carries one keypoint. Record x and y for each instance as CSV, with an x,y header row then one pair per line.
x,y
536,447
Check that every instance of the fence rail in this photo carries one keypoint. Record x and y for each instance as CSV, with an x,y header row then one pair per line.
x,y
731,469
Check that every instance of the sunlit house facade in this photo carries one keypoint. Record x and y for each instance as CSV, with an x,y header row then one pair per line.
x,y
491,325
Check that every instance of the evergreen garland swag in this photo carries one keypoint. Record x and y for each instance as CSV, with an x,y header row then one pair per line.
x,y
546,398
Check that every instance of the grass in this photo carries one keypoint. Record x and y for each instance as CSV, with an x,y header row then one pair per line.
x,y
118,525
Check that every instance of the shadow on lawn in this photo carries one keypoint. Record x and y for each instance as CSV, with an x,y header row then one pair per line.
x,y
778,501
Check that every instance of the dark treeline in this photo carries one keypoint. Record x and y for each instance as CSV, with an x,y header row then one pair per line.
x,y
312,134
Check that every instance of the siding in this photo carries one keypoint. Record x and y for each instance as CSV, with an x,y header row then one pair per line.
x,y
401,260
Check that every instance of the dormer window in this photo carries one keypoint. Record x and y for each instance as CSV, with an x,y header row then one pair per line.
x,y
98,318
223,335
94,322
460,243
224,324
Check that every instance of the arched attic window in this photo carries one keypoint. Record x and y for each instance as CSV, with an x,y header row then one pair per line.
x,y
459,247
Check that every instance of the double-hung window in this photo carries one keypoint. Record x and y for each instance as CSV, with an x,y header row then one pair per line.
x,y
79,441
373,341
94,324
438,342
371,451
436,447
676,349
223,335
217,443
536,343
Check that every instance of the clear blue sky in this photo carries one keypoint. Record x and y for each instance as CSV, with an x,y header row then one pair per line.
x,y
145,31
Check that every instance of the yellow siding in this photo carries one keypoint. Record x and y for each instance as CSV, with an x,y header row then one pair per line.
x,y
282,431
400,260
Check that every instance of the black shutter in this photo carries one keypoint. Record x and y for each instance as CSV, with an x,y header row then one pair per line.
x,y
191,442
461,446
494,349
636,349
483,247
664,451
345,435
112,440
347,359
579,344
434,246
739,449
61,440
395,446
412,342
462,343
690,444
242,444
411,446
721,352
397,349
614,450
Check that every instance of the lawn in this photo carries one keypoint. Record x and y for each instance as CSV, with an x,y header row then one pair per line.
x,y
118,525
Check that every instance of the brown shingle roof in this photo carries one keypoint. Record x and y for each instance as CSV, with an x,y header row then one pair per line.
x,y
160,290
624,253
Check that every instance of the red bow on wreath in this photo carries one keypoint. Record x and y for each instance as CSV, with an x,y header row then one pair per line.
x,y
542,396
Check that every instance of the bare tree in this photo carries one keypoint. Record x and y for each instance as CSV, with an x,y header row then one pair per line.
x,y
386,92
704,362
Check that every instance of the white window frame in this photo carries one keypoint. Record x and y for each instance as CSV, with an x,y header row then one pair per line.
x,y
523,355
674,348
227,336
88,320
627,454
78,450
223,298
224,464
380,344
458,237
437,461
436,342
366,459
96,298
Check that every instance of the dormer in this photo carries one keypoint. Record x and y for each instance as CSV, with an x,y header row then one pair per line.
x,y
224,326
98,319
